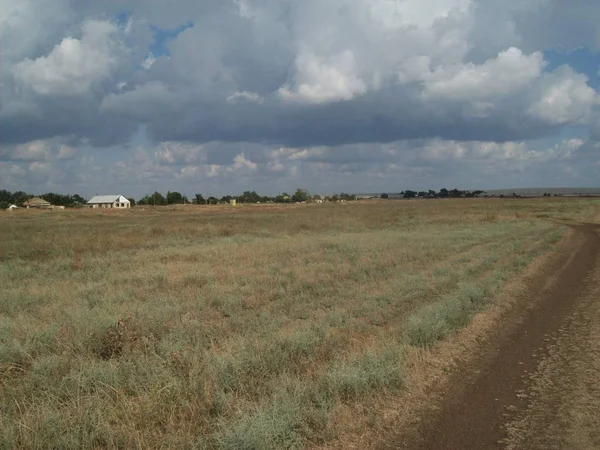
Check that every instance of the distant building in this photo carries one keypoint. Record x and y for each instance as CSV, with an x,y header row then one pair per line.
x,y
233,202
37,202
109,201
12,207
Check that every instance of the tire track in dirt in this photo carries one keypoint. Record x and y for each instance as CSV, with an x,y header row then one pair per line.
x,y
563,410
489,403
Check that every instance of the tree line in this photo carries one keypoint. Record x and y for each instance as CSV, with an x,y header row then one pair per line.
x,y
299,196
172,198
442,193
18,198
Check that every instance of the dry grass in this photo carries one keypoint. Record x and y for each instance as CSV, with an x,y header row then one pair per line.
x,y
248,327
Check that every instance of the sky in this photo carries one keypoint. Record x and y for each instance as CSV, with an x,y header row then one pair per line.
x,y
223,96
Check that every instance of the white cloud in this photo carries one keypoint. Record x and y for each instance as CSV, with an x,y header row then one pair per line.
x,y
74,65
29,24
308,153
66,152
509,72
565,97
322,80
275,166
147,63
180,153
516,151
38,150
40,167
214,171
240,162
251,97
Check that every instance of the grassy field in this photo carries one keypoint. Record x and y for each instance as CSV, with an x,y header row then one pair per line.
x,y
239,328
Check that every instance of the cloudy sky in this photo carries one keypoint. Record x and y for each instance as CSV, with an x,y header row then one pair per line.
x,y
221,96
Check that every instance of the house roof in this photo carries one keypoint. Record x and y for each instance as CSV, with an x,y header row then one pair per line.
x,y
106,199
36,201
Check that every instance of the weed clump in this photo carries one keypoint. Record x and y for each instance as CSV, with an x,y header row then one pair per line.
x,y
110,343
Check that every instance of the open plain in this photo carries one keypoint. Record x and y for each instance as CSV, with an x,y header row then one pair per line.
x,y
253,327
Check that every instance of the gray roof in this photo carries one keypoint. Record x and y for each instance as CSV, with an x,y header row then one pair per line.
x,y
104,199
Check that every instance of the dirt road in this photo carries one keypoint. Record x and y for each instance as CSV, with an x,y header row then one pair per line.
x,y
535,384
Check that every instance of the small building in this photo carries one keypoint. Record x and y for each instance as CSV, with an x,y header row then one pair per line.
x,y
37,202
233,202
12,207
109,201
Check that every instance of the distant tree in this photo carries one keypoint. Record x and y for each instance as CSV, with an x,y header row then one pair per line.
x,y
80,200
444,193
283,198
6,196
301,195
4,205
155,199
20,197
347,197
57,199
62,199
409,194
175,198
384,195
226,199
213,200
132,201
199,199
250,197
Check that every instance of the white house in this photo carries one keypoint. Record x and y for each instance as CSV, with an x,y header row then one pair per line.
x,y
109,201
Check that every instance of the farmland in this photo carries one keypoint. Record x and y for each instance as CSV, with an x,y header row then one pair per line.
x,y
242,327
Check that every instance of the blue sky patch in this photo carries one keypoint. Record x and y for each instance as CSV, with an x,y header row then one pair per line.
x,y
581,60
123,18
162,38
